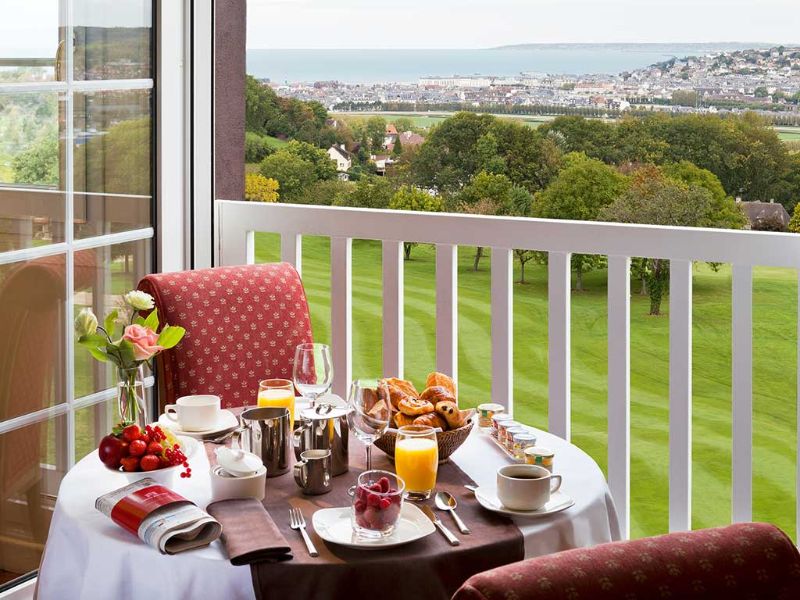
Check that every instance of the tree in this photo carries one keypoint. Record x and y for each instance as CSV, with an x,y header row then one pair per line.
x,y
375,129
726,212
580,191
256,147
369,192
412,198
38,164
293,174
258,188
324,167
794,223
397,150
655,199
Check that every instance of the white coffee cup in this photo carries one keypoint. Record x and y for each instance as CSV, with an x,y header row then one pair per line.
x,y
194,413
525,487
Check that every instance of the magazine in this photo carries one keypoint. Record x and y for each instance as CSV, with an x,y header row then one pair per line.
x,y
159,517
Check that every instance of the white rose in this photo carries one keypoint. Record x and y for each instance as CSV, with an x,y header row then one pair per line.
x,y
139,300
86,322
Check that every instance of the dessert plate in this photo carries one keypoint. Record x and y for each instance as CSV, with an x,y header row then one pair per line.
x,y
226,421
558,501
334,525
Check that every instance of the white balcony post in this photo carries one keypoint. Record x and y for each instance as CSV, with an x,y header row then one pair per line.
x,y
742,379
680,395
619,387
447,309
292,250
341,313
797,477
393,313
502,328
558,327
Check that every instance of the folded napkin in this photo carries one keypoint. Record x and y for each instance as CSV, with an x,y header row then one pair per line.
x,y
248,532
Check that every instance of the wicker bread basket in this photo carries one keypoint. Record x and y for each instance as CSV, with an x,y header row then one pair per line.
x,y
449,441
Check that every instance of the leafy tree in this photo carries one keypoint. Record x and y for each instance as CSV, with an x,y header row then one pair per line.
x,y
293,174
369,192
324,193
580,191
38,164
256,147
594,138
794,223
412,198
727,213
397,149
324,167
375,130
258,188
530,159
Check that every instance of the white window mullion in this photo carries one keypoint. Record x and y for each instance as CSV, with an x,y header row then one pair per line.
x,y
69,373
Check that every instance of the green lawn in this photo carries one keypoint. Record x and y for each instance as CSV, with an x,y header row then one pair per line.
x,y
427,120
775,310
789,134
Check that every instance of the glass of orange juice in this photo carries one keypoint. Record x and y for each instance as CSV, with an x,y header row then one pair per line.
x,y
416,459
277,393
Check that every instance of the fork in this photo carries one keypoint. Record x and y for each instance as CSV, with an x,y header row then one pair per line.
x,y
297,521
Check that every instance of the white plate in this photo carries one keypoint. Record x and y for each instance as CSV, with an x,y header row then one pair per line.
x,y
334,525
226,421
558,501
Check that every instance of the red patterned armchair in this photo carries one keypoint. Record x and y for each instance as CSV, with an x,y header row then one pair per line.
x,y
743,561
242,325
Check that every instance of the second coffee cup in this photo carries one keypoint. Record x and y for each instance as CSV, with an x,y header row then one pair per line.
x,y
525,487
194,413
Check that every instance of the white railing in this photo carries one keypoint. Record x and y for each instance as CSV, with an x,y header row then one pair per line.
x,y
237,221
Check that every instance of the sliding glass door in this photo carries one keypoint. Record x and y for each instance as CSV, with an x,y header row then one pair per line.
x,y
76,229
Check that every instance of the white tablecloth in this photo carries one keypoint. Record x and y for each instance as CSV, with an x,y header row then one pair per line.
x,y
89,557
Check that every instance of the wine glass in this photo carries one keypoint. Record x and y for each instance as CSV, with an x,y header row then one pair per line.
x,y
369,412
313,370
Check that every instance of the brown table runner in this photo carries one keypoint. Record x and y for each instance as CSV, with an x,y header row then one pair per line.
x,y
429,568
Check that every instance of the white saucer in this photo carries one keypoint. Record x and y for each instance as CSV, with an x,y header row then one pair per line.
x,y
558,501
334,525
226,421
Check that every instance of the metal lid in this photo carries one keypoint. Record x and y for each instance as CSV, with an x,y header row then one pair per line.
x,y
330,407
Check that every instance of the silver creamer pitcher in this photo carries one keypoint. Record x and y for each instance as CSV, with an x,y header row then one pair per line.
x,y
266,434
324,427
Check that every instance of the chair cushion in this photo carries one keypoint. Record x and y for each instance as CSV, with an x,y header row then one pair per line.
x,y
742,561
242,325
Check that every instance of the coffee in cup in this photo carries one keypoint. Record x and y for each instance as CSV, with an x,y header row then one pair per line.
x,y
194,413
525,487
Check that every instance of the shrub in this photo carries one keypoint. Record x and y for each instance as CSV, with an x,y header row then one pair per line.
x,y
258,188
256,147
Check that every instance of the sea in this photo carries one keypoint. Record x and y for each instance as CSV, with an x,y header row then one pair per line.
x,y
406,66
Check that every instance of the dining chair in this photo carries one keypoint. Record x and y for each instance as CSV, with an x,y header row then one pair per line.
x,y
737,562
242,325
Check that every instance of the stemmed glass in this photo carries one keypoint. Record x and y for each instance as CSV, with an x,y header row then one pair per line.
x,y
369,412
313,370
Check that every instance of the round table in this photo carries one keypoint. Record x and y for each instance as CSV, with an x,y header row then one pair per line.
x,y
88,556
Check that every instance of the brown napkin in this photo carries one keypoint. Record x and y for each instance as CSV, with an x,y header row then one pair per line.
x,y
249,533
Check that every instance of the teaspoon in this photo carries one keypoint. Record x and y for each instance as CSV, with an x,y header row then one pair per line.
x,y
446,501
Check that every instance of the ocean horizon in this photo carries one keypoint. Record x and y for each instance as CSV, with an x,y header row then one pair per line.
x,y
408,65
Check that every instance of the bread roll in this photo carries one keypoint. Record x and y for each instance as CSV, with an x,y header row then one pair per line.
x,y
440,379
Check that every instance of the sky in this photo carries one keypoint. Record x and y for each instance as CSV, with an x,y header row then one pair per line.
x,y
489,23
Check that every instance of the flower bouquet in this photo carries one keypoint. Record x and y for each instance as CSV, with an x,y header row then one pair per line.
x,y
137,344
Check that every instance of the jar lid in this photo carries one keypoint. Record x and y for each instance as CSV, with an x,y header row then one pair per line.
x,y
524,437
238,463
502,417
535,451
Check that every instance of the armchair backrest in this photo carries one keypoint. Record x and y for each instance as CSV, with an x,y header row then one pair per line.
x,y
242,325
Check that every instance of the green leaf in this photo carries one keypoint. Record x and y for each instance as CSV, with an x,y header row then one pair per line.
x,y
137,320
151,322
98,354
126,353
170,336
110,322
92,340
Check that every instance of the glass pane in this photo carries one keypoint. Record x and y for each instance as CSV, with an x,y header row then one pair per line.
x,y
113,39
92,424
30,218
102,275
113,138
32,342
33,460
30,40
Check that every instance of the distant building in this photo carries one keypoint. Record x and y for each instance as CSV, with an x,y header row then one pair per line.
x,y
409,139
343,160
765,216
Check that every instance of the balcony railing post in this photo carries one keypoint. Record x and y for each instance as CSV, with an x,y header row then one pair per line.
x,y
292,250
447,309
341,313
619,388
393,313
502,328
680,395
558,328
742,380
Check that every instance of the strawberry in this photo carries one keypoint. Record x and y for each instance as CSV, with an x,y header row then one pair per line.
x,y
125,449
150,462
145,437
137,448
130,463
155,448
131,433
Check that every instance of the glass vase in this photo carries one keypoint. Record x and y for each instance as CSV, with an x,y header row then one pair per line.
x,y
130,396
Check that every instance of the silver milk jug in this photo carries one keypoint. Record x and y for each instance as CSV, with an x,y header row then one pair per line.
x,y
324,427
265,433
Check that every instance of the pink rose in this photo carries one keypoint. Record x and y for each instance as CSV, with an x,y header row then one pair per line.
x,y
144,340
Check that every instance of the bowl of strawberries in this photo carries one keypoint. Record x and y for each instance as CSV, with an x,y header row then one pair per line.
x,y
154,451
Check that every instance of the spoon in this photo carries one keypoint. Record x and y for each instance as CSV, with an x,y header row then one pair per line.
x,y
446,501
471,488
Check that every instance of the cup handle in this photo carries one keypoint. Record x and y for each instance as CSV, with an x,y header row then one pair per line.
x,y
557,480
300,474
171,411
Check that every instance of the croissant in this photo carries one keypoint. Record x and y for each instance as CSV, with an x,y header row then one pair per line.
x,y
433,420
402,385
400,420
436,394
440,379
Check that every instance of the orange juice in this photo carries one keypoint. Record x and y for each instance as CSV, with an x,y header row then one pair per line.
x,y
279,398
416,461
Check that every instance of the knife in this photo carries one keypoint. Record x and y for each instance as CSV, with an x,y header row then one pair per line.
x,y
440,526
